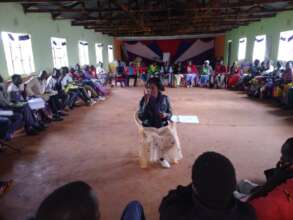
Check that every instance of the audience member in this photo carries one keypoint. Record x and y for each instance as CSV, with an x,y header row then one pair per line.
x,y
206,73
209,196
78,201
273,200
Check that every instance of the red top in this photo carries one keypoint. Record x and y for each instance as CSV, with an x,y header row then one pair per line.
x,y
191,69
220,69
235,70
93,72
277,205
75,76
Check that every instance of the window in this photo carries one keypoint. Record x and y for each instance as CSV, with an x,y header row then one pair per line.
x,y
59,51
18,53
286,46
259,48
83,49
99,52
242,48
110,54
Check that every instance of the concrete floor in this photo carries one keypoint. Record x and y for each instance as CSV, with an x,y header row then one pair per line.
x,y
99,145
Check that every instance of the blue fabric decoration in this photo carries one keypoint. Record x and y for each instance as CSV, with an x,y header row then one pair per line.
x,y
283,38
24,37
83,43
11,37
290,38
63,44
259,40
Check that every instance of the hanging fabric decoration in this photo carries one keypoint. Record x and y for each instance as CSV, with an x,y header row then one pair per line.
x,y
23,37
290,38
242,41
63,44
283,38
10,36
259,40
83,43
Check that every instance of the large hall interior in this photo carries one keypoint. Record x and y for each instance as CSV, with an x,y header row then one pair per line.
x,y
146,109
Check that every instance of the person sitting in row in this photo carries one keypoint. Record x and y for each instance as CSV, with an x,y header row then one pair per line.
x,y
234,76
36,87
220,74
8,125
287,81
273,200
78,201
178,74
191,74
130,73
142,72
206,73
209,196
88,79
10,101
153,70
73,91
120,74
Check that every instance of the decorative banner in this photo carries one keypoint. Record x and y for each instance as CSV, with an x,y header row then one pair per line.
x,y
180,50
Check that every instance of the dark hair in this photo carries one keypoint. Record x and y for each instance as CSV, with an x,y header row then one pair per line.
x,y
287,151
214,179
156,81
1,79
73,201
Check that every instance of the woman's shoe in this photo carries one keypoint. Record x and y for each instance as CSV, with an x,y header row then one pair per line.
x,y
165,164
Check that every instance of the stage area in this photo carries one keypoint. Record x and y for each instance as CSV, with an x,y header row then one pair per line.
x,y
99,145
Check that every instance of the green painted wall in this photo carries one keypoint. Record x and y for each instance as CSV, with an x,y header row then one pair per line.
x,y
42,28
270,26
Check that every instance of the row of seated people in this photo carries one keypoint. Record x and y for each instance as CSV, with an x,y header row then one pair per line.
x,y
174,74
268,81
37,101
212,194
260,79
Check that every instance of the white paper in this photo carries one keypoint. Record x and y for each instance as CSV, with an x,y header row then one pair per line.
x,y
189,119
6,113
36,104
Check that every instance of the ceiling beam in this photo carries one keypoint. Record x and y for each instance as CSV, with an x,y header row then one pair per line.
x,y
36,1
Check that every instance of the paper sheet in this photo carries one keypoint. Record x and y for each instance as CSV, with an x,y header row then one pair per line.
x,y
190,119
6,113
36,104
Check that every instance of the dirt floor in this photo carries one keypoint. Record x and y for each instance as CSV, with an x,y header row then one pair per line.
x,y
99,145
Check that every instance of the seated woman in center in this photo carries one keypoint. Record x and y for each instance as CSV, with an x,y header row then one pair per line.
x,y
155,108
155,112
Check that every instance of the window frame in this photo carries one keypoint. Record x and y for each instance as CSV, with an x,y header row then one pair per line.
x,y
63,59
83,53
21,50
242,56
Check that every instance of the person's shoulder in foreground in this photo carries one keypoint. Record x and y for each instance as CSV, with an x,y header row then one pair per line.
x,y
209,196
274,200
